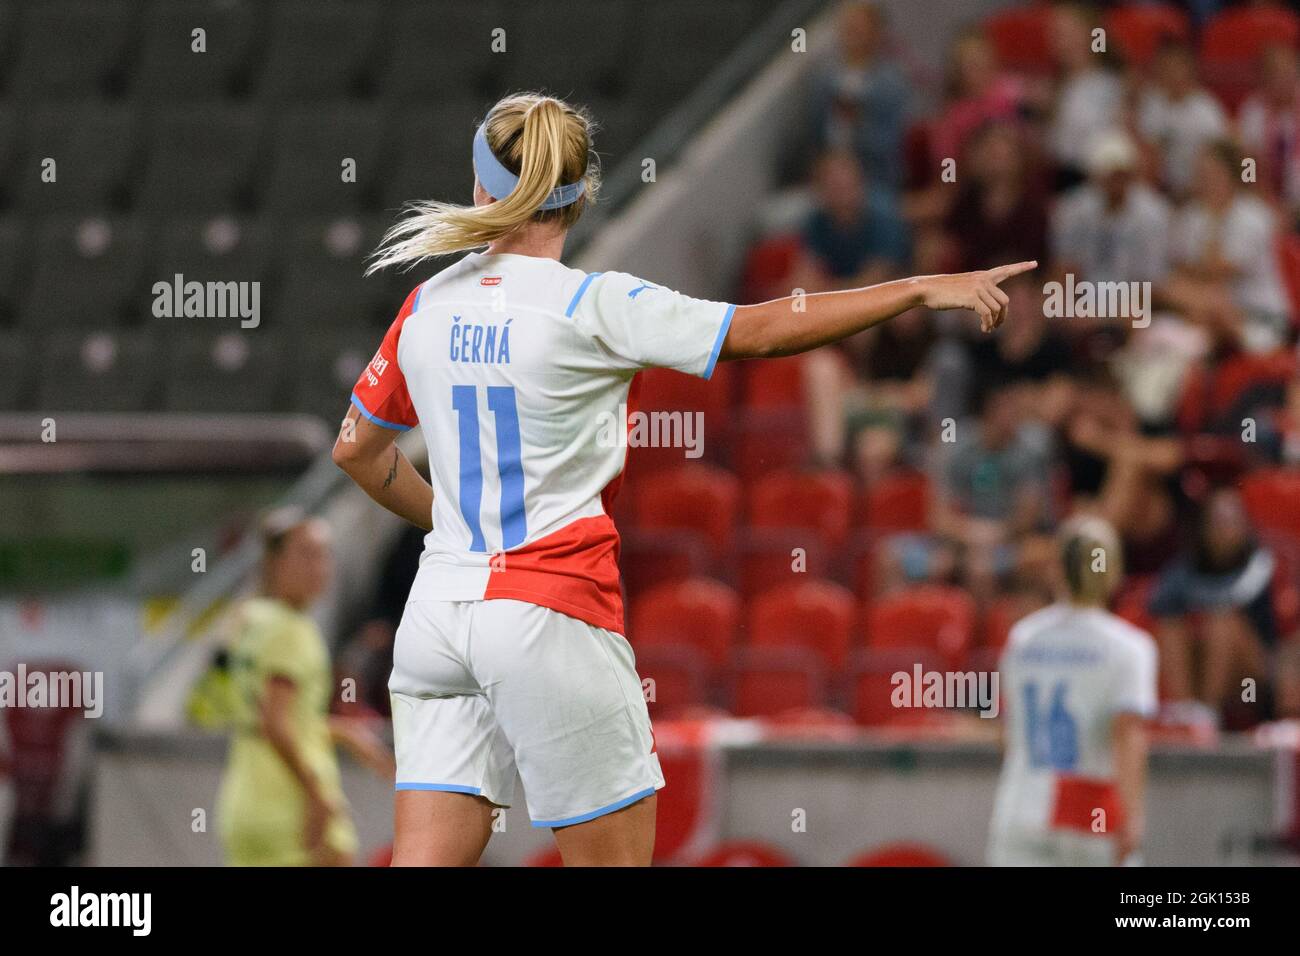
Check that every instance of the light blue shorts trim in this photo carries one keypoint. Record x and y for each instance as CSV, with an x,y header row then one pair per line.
x,y
618,805
448,787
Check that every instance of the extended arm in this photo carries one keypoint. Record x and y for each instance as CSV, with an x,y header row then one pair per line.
x,y
792,324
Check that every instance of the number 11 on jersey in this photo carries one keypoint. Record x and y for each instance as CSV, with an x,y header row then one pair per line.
x,y
510,467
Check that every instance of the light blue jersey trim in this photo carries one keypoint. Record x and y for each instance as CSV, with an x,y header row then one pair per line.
x,y
625,802
577,296
446,787
717,344
375,418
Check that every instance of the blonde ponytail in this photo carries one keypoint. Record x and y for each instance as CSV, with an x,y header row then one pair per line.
x,y
1092,558
546,143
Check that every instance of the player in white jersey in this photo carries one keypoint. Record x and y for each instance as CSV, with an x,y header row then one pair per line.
x,y
1078,685
510,655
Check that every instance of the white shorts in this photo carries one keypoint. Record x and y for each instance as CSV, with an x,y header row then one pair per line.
x,y
480,688
1055,848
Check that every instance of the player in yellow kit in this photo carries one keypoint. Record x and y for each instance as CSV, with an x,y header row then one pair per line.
x,y
281,802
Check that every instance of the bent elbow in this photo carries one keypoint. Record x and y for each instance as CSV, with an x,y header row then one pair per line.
x,y
345,454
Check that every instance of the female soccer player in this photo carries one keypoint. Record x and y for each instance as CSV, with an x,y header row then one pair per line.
x,y
1078,685
281,803
511,651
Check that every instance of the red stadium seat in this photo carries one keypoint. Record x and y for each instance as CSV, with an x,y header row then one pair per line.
x,y
1210,394
900,854
693,497
774,383
1237,36
770,558
744,853
699,612
822,500
815,615
772,429
941,619
675,678
664,390
1139,29
898,502
1289,259
1020,37
649,558
1272,497
1001,615
1232,42
872,685
862,560
768,440
768,681
768,267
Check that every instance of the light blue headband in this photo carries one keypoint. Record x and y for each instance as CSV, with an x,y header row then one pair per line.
x,y
501,182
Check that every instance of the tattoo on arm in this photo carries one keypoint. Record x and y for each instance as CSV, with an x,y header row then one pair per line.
x,y
392,472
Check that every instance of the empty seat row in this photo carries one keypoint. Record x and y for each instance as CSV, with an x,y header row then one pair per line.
x,y
99,273
301,49
223,157
707,498
191,371
710,622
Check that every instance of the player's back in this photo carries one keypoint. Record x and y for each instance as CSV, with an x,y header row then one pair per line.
x,y
519,369
1067,671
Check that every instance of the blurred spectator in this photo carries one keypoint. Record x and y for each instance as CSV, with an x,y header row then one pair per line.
x,y
866,398
1269,124
1220,593
1029,352
860,96
1225,253
1178,116
992,491
1089,91
978,93
999,213
856,235
1113,228
1126,475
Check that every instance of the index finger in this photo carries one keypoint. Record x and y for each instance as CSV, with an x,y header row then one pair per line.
x,y
1002,273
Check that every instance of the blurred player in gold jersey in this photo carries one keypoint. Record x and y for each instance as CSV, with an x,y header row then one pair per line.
x,y
281,802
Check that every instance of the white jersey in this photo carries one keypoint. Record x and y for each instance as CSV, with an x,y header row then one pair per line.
x,y
520,370
1065,674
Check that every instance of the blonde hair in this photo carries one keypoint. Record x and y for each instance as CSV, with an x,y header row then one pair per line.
x,y
542,140
1093,559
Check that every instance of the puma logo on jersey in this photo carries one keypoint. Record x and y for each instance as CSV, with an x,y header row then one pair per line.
x,y
641,288
479,344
